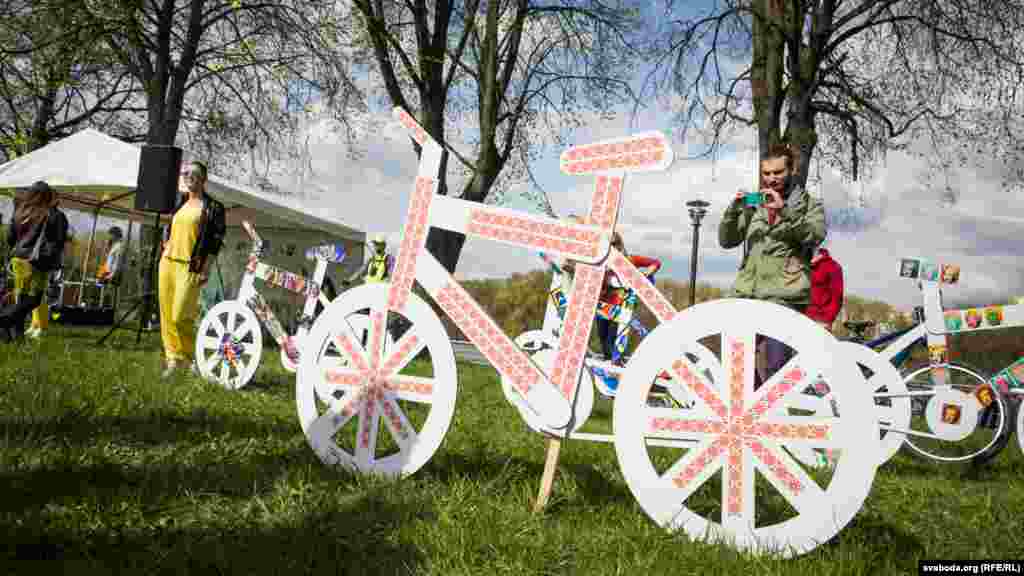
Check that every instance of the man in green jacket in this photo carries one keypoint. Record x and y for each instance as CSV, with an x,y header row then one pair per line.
x,y
780,234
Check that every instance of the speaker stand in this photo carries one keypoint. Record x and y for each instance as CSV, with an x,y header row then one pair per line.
x,y
145,299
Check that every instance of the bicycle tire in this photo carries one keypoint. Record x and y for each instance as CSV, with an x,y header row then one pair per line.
x,y
1001,439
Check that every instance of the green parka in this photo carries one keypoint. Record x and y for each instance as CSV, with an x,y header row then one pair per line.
x,y
777,266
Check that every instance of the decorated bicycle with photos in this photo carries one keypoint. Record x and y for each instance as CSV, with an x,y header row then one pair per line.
x,y
229,343
384,409
940,410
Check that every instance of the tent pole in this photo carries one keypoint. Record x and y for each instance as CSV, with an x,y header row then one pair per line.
x,y
88,253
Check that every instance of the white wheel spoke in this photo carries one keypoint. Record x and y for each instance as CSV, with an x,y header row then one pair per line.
x,y
350,347
786,476
412,388
672,423
738,503
694,468
702,391
345,379
335,417
369,427
813,432
402,352
905,431
907,394
211,343
738,356
212,361
397,423
788,382
218,326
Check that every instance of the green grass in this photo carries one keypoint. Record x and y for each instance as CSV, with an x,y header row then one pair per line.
x,y
104,468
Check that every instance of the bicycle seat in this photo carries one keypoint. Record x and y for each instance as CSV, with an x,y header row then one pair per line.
x,y
330,252
858,326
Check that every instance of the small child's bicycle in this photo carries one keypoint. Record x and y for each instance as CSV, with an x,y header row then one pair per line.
x,y
385,409
229,342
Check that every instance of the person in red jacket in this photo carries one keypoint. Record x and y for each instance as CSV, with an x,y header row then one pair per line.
x,y
826,289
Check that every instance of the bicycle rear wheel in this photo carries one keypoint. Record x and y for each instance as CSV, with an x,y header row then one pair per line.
x,y
951,422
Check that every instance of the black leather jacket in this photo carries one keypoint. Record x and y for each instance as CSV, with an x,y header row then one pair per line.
x,y
212,227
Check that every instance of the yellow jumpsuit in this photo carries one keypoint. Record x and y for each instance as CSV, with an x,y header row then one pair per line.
x,y
179,288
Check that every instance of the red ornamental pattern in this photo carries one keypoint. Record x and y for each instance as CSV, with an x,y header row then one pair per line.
x,y
544,236
648,294
734,498
399,385
703,391
410,123
353,354
777,467
372,396
576,332
345,377
352,405
700,463
789,380
620,155
737,427
390,412
605,201
405,346
736,377
416,226
499,350
376,338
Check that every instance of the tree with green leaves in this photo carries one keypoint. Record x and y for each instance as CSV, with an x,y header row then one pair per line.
x,y
55,76
849,80
505,77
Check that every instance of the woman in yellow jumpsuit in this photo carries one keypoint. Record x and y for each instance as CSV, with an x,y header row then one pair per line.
x,y
197,233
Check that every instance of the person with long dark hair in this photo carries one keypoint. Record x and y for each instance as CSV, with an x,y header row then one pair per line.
x,y
36,237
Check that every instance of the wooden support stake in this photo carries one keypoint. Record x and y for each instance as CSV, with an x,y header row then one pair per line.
x,y
548,480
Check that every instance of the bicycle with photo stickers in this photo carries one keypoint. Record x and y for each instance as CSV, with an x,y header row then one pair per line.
x,y
229,343
384,409
943,411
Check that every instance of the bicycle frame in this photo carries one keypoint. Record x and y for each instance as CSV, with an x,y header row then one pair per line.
x,y
271,275
588,244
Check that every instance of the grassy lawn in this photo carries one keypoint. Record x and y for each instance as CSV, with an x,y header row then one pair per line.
x,y
104,468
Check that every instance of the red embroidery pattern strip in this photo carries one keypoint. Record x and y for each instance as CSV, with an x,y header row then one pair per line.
x,y
413,240
499,350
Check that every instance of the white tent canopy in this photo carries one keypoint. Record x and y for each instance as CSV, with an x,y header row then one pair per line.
x,y
95,173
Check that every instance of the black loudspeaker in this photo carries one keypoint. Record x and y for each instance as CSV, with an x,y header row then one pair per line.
x,y
158,179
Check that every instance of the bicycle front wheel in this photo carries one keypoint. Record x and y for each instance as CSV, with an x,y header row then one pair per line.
x,y
957,416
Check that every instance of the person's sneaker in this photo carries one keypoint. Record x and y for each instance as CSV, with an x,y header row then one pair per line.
x,y
169,370
34,333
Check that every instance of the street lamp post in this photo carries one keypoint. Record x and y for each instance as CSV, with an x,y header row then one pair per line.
x,y
698,209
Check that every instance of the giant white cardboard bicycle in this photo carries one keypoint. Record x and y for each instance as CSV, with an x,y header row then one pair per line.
x,y
345,391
